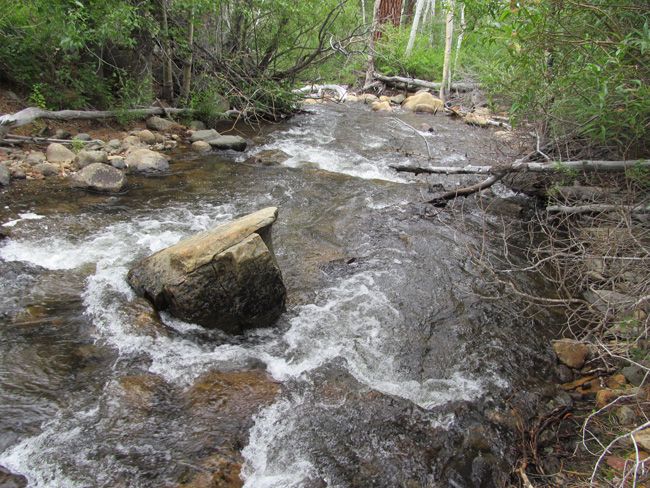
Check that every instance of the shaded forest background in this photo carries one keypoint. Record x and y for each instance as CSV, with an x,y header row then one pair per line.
x,y
574,68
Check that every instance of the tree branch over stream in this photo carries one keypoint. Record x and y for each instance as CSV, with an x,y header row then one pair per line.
x,y
497,172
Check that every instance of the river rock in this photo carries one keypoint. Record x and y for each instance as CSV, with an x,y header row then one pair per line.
x,y
351,98
117,162
268,157
571,352
83,137
477,120
382,106
113,145
131,142
84,158
58,153
367,97
225,278
146,161
35,157
146,136
100,177
423,102
236,143
398,99
204,135
201,147
197,125
47,169
5,175
161,125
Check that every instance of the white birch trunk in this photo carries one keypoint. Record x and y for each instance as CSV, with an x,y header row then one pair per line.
x,y
449,34
363,12
459,41
414,27
432,27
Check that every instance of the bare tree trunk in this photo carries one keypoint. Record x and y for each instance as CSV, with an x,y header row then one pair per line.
x,y
414,26
363,12
449,34
371,44
168,81
401,81
432,27
187,67
459,41
407,12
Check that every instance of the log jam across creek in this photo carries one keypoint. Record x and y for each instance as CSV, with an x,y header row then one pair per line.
x,y
387,368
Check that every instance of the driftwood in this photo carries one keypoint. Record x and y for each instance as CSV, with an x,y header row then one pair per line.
x,y
597,208
14,138
317,91
519,166
29,115
403,82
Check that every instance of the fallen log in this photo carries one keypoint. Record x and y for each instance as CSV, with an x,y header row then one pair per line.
x,y
404,82
519,166
14,138
597,208
316,91
29,115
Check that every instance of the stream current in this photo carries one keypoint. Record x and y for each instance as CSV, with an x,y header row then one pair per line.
x,y
387,369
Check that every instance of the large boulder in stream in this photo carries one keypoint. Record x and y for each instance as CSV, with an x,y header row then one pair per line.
x,y
225,278
146,161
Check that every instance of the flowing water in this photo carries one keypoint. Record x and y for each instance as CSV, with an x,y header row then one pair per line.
x,y
387,369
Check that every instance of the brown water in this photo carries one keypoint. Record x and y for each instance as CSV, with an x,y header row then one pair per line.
x,y
386,369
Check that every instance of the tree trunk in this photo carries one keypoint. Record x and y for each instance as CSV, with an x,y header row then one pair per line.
x,y
432,27
414,27
449,34
459,41
371,43
407,13
168,80
390,10
363,12
187,66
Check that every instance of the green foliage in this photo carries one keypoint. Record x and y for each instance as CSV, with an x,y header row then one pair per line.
x,y
36,97
580,68
424,62
639,176
208,102
78,145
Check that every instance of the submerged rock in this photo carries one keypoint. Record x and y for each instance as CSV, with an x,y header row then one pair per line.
x,y
100,177
11,480
146,161
382,106
225,278
268,157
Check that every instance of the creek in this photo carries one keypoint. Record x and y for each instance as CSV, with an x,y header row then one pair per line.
x,y
386,370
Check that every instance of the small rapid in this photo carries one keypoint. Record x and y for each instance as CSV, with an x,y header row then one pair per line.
x,y
383,344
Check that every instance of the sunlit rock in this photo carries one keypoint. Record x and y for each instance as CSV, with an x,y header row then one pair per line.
x,y
225,278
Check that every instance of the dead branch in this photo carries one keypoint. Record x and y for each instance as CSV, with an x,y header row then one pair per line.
x,y
31,114
465,191
597,208
401,81
520,166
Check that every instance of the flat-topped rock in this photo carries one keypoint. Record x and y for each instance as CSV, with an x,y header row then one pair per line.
x,y
236,143
423,102
146,161
100,177
225,278
204,135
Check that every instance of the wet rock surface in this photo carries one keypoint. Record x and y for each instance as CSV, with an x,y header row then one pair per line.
x,y
100,177
225,278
